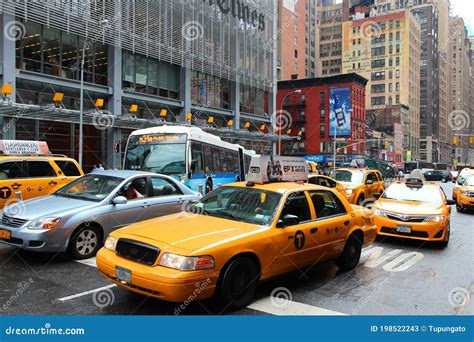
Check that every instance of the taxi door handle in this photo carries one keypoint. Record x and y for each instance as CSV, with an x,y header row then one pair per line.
x,y
346,223
16,185
180,200
313,230
290,237
145,205
53,183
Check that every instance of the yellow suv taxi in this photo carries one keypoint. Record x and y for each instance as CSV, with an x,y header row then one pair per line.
x,y
28,176
465,196
460,181
235,237
360,184
327,182
414,209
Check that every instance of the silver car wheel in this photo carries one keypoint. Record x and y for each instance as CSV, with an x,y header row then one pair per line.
x,y
86,242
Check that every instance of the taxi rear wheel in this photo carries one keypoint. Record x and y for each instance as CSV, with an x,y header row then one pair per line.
x,y
350,256
84,243
459,208
238,283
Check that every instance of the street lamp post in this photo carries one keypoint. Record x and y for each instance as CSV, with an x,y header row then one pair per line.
x,y
103,24
296,91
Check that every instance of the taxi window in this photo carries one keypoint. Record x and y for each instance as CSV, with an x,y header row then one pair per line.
x,y
68,168
322,181
379,176
296,204
326,204
11,170
38,169
371,176
163,187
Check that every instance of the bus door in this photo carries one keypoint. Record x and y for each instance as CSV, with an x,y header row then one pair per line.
x,y
241,164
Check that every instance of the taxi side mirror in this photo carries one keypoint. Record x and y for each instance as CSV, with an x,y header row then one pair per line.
x,y
119,200
288,220
450,202
369,181
377,195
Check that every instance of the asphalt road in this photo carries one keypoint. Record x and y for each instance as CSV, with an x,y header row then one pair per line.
x,y
395,277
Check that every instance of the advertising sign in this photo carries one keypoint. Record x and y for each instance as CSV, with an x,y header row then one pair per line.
x,y
266,169
22,147
340,111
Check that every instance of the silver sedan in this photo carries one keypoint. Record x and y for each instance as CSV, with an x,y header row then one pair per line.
x,y
78,217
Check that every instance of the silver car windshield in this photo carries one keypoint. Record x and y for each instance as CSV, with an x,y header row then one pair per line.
x,y
90,188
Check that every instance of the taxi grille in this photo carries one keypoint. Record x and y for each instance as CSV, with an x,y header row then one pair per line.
x,y
12,221
471,194
414,233
406,218
137,251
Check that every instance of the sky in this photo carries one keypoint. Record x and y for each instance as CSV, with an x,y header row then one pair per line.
x,y
465,9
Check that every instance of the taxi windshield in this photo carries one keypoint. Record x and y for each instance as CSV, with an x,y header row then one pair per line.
x,y
90,188
470,181
356,177
240,204
401,192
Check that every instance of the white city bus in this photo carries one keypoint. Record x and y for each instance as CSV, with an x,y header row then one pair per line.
x,y
200,160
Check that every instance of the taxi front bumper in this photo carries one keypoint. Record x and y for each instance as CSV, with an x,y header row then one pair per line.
x,y
426,231
157,281
465,201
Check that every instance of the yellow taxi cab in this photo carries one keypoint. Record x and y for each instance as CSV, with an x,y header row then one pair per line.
x,y
25,175
235,237
460,180
328,182
360,184
465,196
414,209
312,167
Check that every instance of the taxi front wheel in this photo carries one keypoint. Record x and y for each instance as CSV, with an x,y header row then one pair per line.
x,y
84,242
238,283
350,256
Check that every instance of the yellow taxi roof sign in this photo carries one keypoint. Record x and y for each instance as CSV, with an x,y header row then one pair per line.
x,y
23,147
267,169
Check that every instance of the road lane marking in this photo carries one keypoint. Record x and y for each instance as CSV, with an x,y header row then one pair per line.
x,y
85,293
403,262
290,308
88,262
375,256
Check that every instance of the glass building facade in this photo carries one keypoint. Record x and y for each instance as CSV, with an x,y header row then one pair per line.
x,y
207,58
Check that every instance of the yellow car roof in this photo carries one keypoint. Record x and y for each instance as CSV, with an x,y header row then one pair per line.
x,y
32,157
280,187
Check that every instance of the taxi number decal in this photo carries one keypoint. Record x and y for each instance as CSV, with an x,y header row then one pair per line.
x,y
299,239
5,192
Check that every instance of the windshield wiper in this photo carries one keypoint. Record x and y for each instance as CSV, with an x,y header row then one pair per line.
x,y
230,215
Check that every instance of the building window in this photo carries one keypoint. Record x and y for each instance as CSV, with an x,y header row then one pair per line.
x,y
322,97
322,114
322,130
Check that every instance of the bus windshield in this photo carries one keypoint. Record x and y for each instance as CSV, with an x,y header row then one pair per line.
x,y
160,153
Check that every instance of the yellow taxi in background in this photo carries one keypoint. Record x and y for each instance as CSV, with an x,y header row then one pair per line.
x,y
460,181
28,176
235,237
328,182
360,184
465,196
414,209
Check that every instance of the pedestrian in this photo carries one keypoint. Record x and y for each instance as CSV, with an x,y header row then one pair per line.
x,y
100,168
400,174
94,168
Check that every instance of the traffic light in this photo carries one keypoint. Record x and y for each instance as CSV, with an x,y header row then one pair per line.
x,y
471,140
455,140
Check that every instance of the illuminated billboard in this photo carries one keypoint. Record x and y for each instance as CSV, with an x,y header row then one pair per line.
x,y
340,111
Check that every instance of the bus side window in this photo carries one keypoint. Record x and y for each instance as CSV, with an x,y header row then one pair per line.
x,y
217,160
224,162
208,163
232,159
197,158
247,160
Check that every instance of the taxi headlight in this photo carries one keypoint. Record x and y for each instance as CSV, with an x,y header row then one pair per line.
x,y
111,243
44,223
464,192
435,218
186,263
378,212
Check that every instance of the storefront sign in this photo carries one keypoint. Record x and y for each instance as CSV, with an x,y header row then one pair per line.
x,y
266,169
22,147
340,114
241,10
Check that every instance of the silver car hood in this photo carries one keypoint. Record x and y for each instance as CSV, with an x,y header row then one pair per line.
x,y
49,206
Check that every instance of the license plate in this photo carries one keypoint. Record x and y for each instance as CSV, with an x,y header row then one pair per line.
x,y
403,229
5,234
123,274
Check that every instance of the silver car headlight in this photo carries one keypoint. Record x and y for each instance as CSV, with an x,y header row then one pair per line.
x,y
378,212
111,243
44,223
186,263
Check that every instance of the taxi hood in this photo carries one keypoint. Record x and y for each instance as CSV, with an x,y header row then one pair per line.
x,y
409,207
188,232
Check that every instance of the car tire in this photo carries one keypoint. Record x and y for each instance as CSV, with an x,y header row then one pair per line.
x,y
350,256
238,283
445,243
84,242
459,208
208,186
